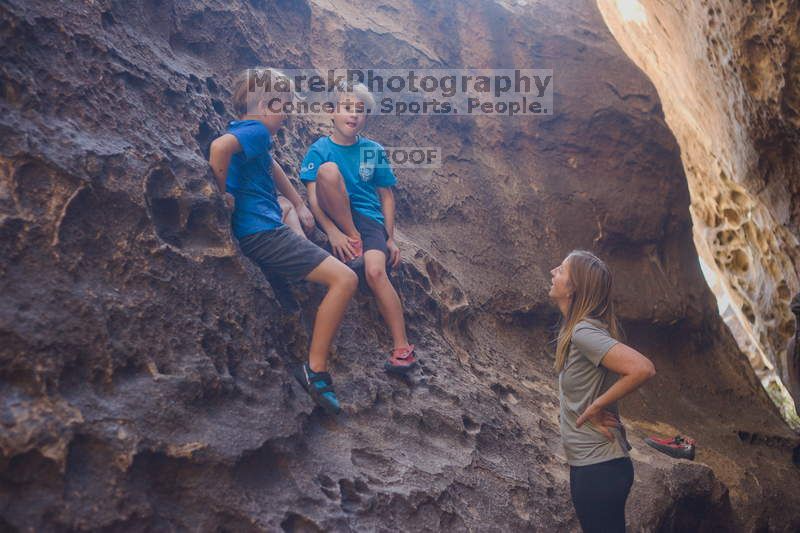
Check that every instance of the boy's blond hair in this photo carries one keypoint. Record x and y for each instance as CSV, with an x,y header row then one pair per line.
x,y
358,90
257,84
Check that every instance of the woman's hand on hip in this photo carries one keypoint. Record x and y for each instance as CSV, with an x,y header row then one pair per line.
x,y
601,419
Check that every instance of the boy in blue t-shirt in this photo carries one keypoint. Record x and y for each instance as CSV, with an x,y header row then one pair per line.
x,y
248,176
353,202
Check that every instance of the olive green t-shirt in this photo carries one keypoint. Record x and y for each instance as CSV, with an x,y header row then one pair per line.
x,y
581,381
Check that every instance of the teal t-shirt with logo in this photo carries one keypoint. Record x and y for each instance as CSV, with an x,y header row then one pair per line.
x,y
363,166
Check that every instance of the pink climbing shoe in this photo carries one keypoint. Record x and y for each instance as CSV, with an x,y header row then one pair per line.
x,y
401,360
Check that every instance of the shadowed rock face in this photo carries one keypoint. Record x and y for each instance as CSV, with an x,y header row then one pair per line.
x,y
728,79
143,360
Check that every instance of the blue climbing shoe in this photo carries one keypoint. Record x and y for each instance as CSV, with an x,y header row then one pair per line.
x,y
319,386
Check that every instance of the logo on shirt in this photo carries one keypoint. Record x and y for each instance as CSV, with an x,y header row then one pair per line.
x,y
365,171
308,167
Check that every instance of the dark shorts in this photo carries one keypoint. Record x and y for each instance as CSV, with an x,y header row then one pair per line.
x,y
283,252
373,233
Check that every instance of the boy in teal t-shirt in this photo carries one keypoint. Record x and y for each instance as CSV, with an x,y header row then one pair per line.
x,y
352,200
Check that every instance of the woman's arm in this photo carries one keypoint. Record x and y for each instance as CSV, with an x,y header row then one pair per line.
x,y
634,369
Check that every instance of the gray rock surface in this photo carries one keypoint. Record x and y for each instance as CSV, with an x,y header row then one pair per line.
x,y
143,360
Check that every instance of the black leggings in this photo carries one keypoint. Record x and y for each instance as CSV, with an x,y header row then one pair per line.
x,y
599,492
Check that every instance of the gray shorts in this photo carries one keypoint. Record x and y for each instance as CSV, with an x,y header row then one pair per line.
x,y
373,233
283,252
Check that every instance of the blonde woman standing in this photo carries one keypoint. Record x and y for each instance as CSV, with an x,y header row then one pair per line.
x,y
595,371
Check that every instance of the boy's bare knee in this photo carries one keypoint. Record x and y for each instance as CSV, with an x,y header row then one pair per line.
x,y
349,280
328,173
374,274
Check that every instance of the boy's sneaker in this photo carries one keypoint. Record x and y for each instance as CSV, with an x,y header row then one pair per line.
x,y
401,360
319,386
677,447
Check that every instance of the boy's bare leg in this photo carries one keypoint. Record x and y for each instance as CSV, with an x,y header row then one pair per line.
x,y
280,285
333,199
388,301
342,284
289,216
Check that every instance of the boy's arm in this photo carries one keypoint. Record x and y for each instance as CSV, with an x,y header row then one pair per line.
x,y
287,189
219,158
340,243
328,225
222,149
387,206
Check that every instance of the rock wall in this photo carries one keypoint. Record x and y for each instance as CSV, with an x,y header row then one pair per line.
x,y
143,360
728,80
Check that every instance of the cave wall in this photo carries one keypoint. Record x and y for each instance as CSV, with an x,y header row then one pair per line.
x,y
727,75
143,360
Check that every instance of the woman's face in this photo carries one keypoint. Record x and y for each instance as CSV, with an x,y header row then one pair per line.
x,y
561,287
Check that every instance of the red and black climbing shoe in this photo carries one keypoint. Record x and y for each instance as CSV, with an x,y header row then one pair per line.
x,y
401,360
677,447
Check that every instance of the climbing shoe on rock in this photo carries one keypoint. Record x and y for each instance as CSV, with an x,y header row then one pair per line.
x,y
319,386
401,360
677,447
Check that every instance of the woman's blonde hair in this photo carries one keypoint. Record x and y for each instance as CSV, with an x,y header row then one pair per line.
x,y
592,282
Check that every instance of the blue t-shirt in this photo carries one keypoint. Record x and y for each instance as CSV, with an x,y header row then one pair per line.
x,y
363,166
250,180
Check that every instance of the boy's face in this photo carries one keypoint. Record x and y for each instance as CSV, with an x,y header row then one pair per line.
x,y
350,117
271,114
